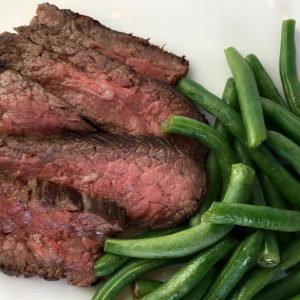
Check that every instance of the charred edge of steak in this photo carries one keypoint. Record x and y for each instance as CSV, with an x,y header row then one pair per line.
x,y
138,53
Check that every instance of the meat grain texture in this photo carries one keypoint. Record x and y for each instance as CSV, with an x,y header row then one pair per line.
x,y
155,183
137,53
49,231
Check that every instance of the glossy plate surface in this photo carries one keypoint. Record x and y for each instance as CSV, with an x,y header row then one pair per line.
x,y
200,30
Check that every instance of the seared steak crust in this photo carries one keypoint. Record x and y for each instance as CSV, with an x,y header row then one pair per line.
x,y
155,183
46,230
100,89
27,109
137,53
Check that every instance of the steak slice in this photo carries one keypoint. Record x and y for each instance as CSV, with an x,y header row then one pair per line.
x,y
47,230
139,54
102,90
27,109
156,184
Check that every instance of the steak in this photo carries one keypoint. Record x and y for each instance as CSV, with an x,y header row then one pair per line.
x,y
49,231
102,90
155,183
137,53
27,109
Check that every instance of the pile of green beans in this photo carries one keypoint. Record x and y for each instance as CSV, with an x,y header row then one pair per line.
x,y
246,233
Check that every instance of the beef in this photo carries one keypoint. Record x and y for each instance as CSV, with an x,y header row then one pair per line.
x,y
137,53
27,109
155,183
102,90
49,231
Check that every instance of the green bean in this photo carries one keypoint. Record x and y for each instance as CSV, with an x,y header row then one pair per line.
x,y
274,199
244,257
231,98
112,287
190,274
193,239
207,136
287,184
272,196
211,165
269,256
281,289
144,287
201,287
242,154
262,217
213,188
109,263
249,98
288,123
264,82
288,66
260,277
285,148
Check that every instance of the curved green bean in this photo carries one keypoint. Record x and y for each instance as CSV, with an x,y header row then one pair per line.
x,y
281,289
288,185
288,66
190,274
244,257
288,123
109,263
260,277
211,165
213,188
249,98
285,148
264,82
262,217
193,239
113,286
207,136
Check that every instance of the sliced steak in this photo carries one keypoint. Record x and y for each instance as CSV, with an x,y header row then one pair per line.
x,y
27,109
155,183
144,58
102,90
46,230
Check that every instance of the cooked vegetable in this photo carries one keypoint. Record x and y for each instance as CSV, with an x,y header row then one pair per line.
x,y
190,274
281,289
142,288
244,257
126,275
211,165
249,98
288,66
242,154
269,256
287,184
213,188
109,263
272,196
288,123
201,287
297,297
193,239
264,82
285,148
262,217
207,136
257,279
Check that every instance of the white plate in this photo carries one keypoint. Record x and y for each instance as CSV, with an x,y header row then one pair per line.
x,y
198,29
